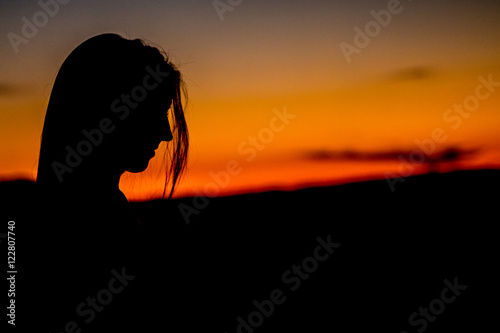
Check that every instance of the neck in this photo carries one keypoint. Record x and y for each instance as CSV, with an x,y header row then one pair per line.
x,y
104,182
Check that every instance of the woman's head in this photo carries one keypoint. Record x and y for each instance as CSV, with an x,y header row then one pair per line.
x,y
108,113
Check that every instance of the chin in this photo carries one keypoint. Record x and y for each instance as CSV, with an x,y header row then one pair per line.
x,y
138,166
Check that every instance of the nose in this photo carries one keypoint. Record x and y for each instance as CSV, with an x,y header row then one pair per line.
x,y
166,132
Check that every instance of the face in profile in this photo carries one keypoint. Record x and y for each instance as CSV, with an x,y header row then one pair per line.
x,y
149,126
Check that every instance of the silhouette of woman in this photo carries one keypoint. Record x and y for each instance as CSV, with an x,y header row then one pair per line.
x,y
107,114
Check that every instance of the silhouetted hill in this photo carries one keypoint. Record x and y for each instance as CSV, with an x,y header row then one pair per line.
x,y
396,250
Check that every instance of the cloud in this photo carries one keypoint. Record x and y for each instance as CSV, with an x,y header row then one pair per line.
x,y
449,154
415,73
7,89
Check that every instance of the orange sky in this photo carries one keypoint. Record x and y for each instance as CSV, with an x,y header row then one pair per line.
x,y
264,58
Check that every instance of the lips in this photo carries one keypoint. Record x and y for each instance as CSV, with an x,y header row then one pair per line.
x,y
150,151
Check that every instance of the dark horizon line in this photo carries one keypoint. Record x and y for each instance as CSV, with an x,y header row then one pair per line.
x,y
295,187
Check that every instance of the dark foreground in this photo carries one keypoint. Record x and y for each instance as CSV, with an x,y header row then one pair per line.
x,y
348,258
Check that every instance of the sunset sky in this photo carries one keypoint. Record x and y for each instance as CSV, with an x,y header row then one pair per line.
x,y
357,103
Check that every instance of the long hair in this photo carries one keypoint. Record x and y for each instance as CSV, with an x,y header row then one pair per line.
x,y
94,75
